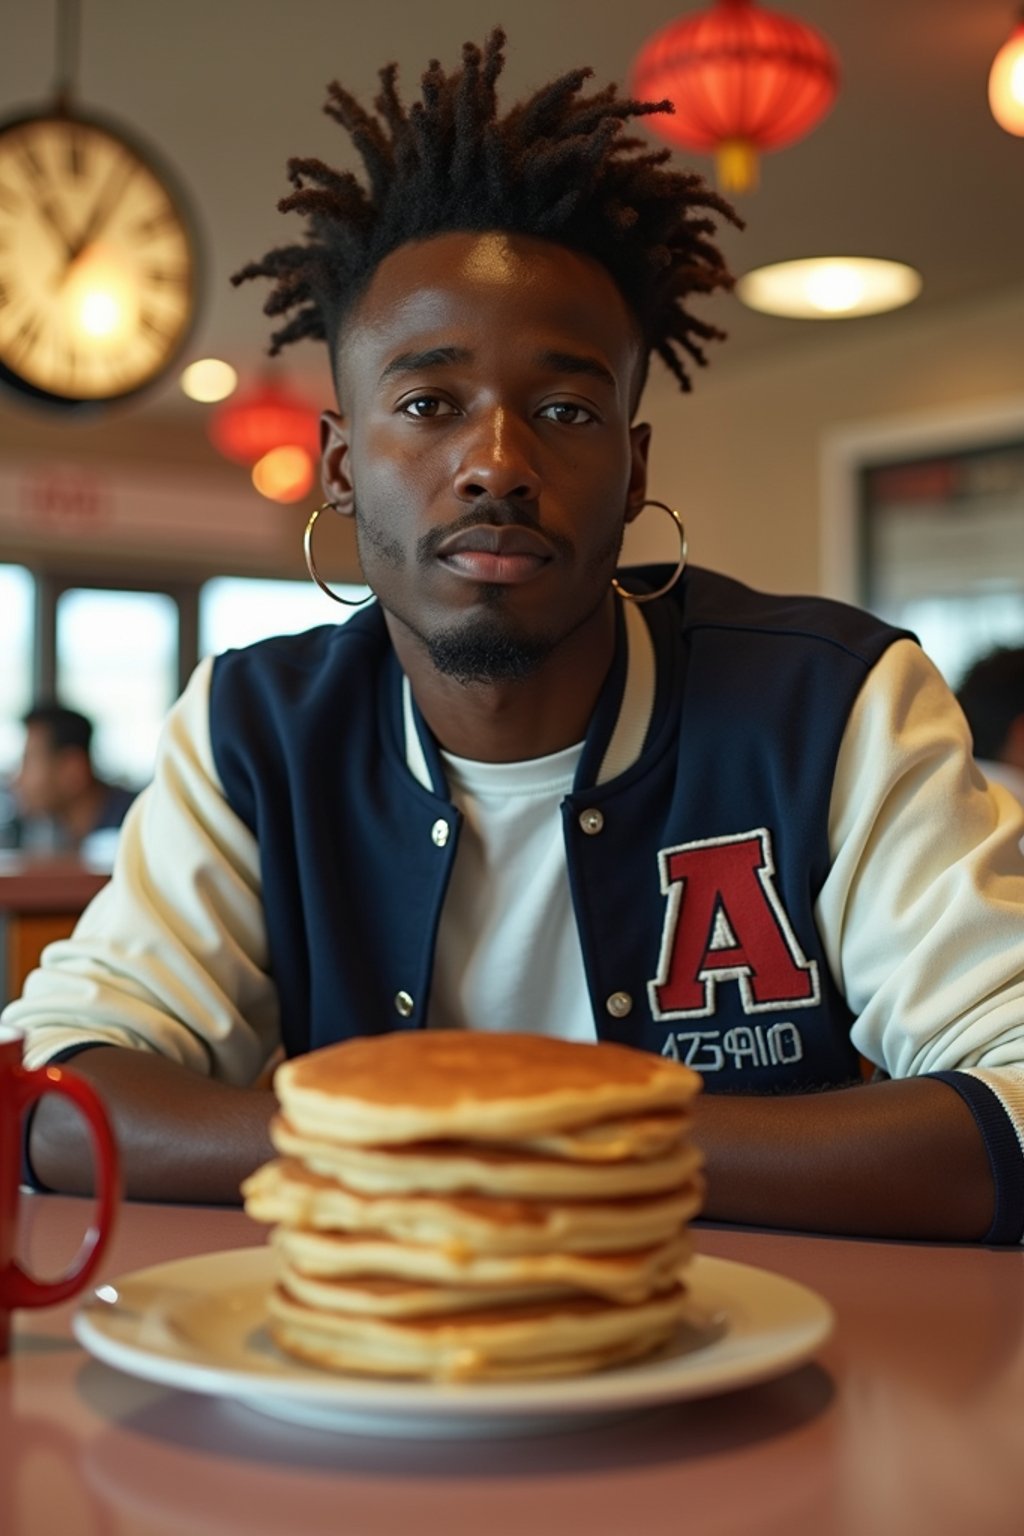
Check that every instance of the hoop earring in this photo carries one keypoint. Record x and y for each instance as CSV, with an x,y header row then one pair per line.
x,y
307,549
648,597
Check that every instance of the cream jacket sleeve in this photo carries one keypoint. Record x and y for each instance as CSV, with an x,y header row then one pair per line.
x,y
171,955
922,914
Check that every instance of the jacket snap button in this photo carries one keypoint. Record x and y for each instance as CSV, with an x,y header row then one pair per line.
x,y
619,1004
404,1004
591,821
439,832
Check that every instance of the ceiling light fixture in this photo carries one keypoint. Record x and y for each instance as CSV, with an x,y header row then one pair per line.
x,y
829,287
742,79
208,379
1006,82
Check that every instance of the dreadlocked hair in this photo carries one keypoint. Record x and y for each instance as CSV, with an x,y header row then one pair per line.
x,y
557,166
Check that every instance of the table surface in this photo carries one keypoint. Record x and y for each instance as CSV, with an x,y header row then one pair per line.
x,y
47,882
910,1420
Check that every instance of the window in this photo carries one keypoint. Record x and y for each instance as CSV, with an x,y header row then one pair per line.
x,y
117,662
944,551
17,623
121,651
923,522
238,610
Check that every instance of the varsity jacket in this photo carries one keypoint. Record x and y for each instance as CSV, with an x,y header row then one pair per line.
x,y
702,869
727,803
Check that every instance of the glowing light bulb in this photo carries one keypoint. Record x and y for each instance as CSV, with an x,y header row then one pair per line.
x,y
283,474
1006,83
101,296
99,312
208,379
835,287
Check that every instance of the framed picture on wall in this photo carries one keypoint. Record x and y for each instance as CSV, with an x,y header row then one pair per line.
x,y
923,523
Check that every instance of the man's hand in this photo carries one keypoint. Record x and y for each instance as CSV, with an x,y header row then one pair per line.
x,y
180,1136
894,1159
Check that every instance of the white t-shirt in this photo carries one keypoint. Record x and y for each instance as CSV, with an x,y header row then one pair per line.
x,y
508,952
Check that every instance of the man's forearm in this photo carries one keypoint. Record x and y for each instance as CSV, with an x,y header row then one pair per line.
x,y
181,1136
897,1159
894,1159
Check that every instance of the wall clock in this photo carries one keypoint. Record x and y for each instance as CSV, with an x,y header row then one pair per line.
x,y
99,263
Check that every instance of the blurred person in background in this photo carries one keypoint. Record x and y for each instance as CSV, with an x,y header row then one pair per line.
x,y
60,803
992,697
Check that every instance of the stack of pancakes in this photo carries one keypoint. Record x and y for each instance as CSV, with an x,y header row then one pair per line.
x,y
457,1205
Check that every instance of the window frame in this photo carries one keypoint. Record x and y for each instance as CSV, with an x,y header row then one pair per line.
x,y
53,581
850,451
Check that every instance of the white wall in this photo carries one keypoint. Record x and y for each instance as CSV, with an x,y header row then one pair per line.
x,y
741,455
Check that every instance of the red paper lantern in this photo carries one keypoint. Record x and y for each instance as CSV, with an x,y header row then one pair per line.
x,y
742,79
250,424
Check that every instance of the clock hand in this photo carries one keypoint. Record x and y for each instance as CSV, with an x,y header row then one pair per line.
x,y
113,191
55,223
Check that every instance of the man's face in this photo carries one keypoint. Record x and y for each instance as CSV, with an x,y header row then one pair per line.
x,y
486,448
39,787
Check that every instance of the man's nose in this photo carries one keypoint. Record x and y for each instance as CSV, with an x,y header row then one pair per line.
x,y
497,461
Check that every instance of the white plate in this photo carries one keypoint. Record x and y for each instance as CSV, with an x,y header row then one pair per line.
x,y
198,1324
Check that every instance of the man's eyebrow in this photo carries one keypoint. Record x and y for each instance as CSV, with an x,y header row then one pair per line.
x,y
553,361
575,362
433,357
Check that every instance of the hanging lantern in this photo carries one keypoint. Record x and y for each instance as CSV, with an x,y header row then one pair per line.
x,y
255,421
1006,82
742,79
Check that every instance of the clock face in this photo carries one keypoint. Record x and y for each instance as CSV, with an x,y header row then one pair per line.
x,y
97,263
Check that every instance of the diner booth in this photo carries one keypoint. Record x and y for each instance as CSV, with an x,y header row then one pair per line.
x,y
874,457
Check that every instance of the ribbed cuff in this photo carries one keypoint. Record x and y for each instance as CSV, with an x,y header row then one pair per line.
x,y
1005,1155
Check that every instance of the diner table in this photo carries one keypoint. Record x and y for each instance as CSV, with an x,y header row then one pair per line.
x,y
910,1419
41,898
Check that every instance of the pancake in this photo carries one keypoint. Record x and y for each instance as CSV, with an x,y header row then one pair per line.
x,y
609,1141
455,1084
458,1206
315,1347
377,1297
626,1276
612,1141
515,1341
452,1167
286,1191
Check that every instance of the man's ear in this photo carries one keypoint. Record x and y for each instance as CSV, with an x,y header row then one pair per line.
x,y
335,475
640,444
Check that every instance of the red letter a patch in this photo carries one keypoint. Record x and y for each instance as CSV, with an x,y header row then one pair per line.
x,y
725,922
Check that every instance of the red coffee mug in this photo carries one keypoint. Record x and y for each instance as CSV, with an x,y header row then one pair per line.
x,y
19,1090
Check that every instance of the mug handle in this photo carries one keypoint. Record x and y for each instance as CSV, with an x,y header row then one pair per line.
x,y
21,1289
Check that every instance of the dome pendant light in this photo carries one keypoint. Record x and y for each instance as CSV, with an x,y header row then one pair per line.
x,y
742,79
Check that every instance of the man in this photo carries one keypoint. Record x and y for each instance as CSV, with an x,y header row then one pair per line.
x,y
736,829
60,800
992,697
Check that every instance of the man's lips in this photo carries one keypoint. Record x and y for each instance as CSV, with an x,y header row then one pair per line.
x,y
504,555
